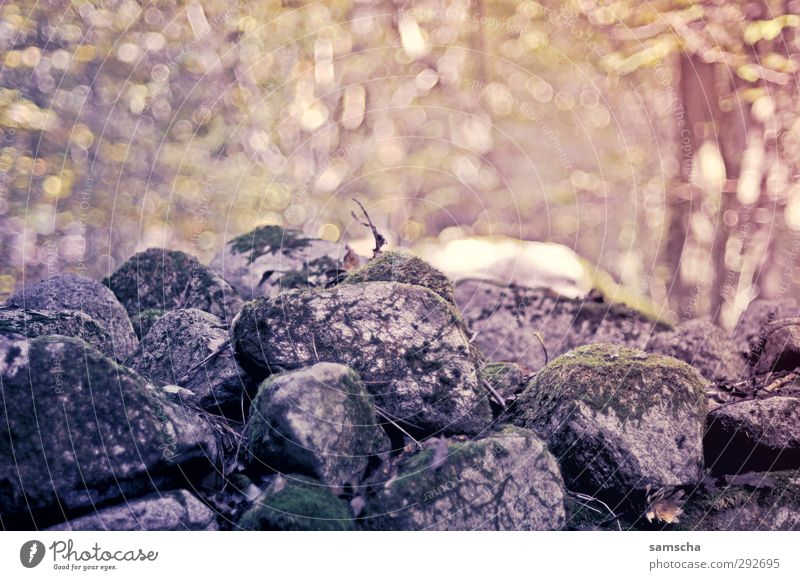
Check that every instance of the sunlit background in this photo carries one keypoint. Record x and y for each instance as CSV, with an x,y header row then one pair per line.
x,y
657,139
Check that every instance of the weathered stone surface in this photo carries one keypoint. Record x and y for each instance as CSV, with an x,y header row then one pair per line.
x,y
71,292
169,511
618,418
508,481
169,280
781,347
749,335
406,342
750,502
176,351
505,319
296,503
318,421
754,435
271,259
401,267
144,320
81,435
33,323
703,345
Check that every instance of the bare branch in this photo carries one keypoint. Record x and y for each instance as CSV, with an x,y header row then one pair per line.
x,y
380,241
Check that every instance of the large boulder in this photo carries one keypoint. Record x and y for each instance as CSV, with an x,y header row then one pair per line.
x,y
530,326
33,323
406,342
164,511
82,431
778,347
271,259
191,348
71,292
297,503
618,419
318,421
703,345
754,435
508,481
169,280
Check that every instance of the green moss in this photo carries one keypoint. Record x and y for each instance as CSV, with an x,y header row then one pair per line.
x,y
302,505
268,239
402,267
606,376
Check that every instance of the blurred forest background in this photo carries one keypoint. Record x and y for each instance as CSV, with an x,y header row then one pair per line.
x,y
658,139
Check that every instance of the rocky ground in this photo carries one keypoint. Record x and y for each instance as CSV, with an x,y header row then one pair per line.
x,y
291,385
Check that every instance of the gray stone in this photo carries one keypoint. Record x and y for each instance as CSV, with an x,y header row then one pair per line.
x,y
754,435
33,323
271,259
507,481
406,342
779,349
176,351
71,292
144,320
169,280
749,335
618,419
505,320
705,346
169,511
318,421
84,431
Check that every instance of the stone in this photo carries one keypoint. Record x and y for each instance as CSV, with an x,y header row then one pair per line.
x,y
618,419
178,351
703,345
168,511
86,432
71,292
296,503
33,323
169,280
780,348
754,435
505,321
393,266
405,341
507,379
318,421
507,481
271,259
749,335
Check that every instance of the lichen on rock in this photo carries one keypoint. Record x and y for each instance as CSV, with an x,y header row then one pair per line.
x,y
406,342
33,323
319,421
618,419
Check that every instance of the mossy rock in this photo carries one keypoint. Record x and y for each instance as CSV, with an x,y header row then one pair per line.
x,y
77,293
159,279
507,379
319,421
406,342
618,418
507,481
86,431
297,503
271,259
396,266
33,323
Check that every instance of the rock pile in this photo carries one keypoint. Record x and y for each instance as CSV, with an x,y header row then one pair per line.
x,y
351,394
